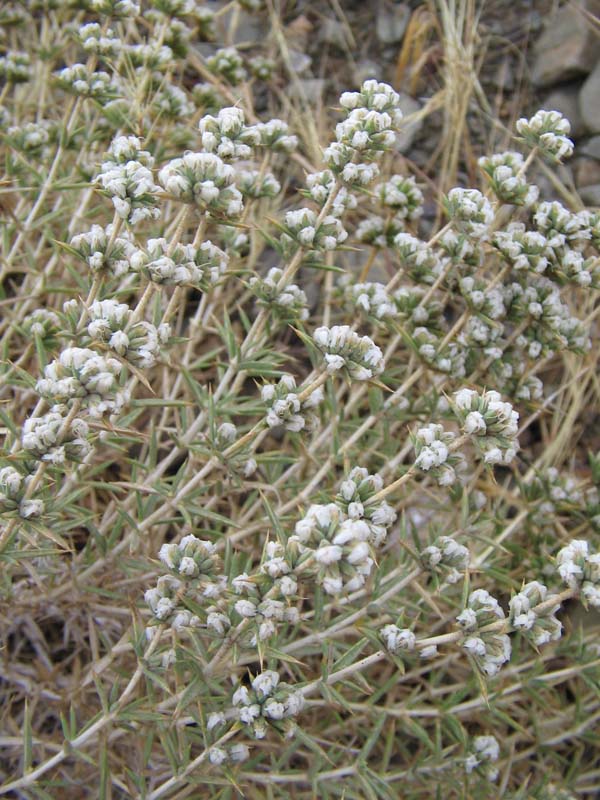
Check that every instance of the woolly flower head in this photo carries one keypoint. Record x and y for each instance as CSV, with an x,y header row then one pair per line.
x,y
549,132
288,300
375,96
580,570
204,180
470,212
190,558
539,626
267,702
504,171
492,422
227,134
303,226
343,348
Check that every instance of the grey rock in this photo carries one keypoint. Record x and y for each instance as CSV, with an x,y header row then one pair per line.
x,y
309,89
566,100
568,48
392,20
332,32
586,171
591,148
408,130
591,194
589,101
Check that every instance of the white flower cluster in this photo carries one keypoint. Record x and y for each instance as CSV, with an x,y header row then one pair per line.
x,y
80,81
493,422
489,302
82,373
446,553
398,640
343,348
102,249
485,752
403,195
255,184
288,302
127,178
116,8
275,135
44,438
524,250
190,558
418,259
43,323
227,134
186,265
266,612
433,453
379,232
234,753
33,136
150,55
549,132
322,184
540,626
227,63
371,298
580,569
505,173
94,39
162,599
140,343
489,649
355,498
373,117
13,486
560,226
204,180
286,409
470,212
302,225
268,701
15,67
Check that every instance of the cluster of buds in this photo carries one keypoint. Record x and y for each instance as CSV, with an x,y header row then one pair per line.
x,y
121,9
401,194
446,555
190,558
369,129
355,497
320,186
95,40
13,489
343,348
489,649
539,626
103,250
15,67
275,135
32,137
45,438
43,324
372,299
285,407
127,178
227,134
183,265
268,702
255,184
79,80
484,752
223,754
82,373
379,232
139,343
470,212
205,180
548,131
163,598
434,454
560,226
265,612
490,422
418,259
505,174
398,640
304,227
524,250
580,570
288,301
228,64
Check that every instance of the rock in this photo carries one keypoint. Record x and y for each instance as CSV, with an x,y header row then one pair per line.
x,y
590,195
591,148
586,172
409,130
332,32
565,99
309,89
568,47
589,101
392,20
